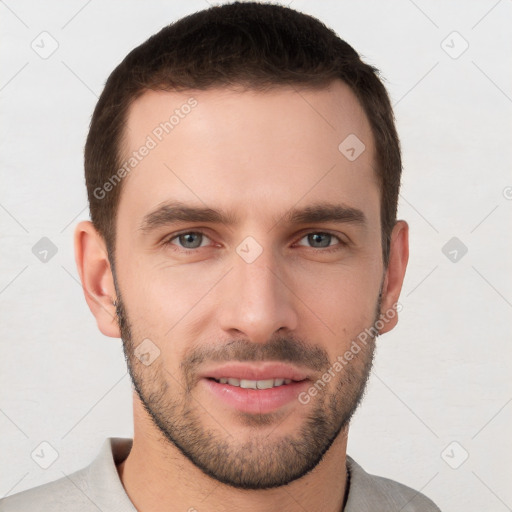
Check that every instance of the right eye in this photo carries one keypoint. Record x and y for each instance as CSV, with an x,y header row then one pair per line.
x,y
188,241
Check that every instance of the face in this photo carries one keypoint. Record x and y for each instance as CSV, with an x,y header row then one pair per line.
x,y
249,249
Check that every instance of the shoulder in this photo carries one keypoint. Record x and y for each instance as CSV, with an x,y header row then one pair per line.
x,y
66,493
95,487
370,492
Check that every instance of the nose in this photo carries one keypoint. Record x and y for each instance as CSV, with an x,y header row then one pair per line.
x,y
257,300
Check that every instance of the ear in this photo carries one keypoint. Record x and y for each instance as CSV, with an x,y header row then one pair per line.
x,y
394,277
96,275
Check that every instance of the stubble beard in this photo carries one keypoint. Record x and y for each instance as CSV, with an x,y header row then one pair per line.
x,y
264,460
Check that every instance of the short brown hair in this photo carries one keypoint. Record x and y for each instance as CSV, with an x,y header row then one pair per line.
x,y
255,45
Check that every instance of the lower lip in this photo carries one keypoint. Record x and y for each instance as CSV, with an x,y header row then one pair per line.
x,y
256,401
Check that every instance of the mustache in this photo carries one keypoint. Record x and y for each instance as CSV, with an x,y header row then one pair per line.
x,y
289,349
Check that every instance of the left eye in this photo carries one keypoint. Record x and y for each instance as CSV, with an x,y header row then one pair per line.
x,y
190,240
320,240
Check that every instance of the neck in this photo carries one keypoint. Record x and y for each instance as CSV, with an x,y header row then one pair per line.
x,y
158,477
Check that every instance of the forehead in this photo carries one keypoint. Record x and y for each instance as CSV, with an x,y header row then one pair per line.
x,y
247,150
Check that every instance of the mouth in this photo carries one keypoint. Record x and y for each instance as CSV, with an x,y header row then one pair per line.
x,y
255,384
256,389
261,373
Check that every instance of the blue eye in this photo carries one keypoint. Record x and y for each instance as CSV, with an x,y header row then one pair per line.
x,y
320,240
190,240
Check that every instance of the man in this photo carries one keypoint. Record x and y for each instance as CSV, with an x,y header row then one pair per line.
x,y
243,170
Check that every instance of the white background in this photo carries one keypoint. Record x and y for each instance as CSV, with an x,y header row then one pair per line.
x,y
442,376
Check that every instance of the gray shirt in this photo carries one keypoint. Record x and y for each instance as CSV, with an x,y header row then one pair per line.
x,y
98,487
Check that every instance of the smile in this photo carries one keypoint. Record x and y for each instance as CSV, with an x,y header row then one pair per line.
x,y
254,384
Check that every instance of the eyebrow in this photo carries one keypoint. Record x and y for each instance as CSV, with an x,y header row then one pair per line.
x,y
172,212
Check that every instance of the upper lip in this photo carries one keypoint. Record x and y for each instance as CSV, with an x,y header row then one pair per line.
x,y
263,371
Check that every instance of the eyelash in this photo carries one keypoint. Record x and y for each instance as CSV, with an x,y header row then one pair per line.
x,y
340,245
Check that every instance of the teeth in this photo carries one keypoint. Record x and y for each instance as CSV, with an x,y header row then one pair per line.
x,y
254,384
265,384
249,384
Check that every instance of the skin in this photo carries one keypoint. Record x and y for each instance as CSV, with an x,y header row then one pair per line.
x,y
257,155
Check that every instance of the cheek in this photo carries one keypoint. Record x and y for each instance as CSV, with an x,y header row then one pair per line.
x,y
165,302
343,297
